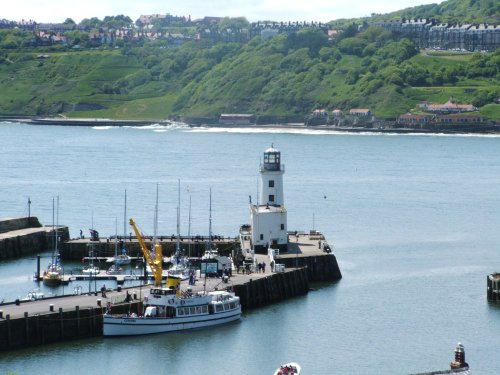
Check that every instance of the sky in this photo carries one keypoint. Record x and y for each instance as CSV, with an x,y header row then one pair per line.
x,y
253,10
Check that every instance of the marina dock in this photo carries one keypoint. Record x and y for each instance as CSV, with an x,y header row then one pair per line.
x,y
77,316
48,320
267,263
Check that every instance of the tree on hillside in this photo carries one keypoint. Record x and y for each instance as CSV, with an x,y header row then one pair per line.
x,y
116,22
312,39
77,37
236,23
89,24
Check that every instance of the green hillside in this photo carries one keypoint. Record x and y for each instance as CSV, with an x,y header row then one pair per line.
x,y
454,11
286,75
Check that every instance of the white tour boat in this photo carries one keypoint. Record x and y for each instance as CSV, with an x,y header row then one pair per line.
x,y
166,311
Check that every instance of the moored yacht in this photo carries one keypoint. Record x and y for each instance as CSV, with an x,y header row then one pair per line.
x,y
166,310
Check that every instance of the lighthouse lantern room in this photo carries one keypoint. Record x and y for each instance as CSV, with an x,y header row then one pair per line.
x,y
268,216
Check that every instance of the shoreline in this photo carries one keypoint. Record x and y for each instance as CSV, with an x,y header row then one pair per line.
x,y
34,120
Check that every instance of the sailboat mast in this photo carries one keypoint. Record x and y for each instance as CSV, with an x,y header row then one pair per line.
x,y
116,237
155,226
178,244
57,224
53,230
189,224
125,218
210,223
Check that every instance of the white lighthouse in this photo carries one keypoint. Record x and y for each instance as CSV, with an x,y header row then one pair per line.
x,y
268,216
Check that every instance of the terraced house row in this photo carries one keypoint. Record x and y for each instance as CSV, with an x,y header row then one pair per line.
x,y
432,34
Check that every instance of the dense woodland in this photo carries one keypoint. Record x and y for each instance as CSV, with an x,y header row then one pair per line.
x,y
289,74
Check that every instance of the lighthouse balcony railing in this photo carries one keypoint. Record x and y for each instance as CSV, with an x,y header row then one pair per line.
x,y
279,167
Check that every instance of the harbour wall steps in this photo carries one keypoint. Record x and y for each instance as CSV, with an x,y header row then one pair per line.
x,y
26,236
61,319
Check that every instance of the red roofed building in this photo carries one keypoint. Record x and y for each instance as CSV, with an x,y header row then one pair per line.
x,y
412,120
448,107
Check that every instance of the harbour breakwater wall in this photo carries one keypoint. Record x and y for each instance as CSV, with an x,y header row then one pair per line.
x,y
55,325
194,246
26,236
274,288
58,325
493,287
319,268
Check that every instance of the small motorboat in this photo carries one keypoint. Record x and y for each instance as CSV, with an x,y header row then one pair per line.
x,y
288,368
34,295
91,270
114,270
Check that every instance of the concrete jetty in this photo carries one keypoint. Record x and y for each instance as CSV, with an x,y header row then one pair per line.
x,y
308,258
493,287
78,316
49,320
26,236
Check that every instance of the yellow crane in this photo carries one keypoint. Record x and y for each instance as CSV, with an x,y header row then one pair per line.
x,y
153,262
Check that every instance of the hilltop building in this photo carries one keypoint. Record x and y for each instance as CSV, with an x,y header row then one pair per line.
x,y
428,33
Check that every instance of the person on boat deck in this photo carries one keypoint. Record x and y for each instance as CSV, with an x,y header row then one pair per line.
x,y
103,291
128,297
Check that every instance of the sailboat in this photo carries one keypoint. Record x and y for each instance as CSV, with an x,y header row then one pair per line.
x,y
91,269
180,263
211,251
53,275
115,268
123,258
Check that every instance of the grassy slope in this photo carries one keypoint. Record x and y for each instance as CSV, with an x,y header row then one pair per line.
x,y
258,79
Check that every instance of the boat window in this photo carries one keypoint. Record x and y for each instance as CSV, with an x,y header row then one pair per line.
x,y
204,309
180,311
219,308
170,311
232,305
192,310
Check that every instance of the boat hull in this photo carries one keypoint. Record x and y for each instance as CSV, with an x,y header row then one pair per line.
x,y
291,365
129,326
52,279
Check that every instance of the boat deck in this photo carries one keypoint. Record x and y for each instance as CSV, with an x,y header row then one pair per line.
x,y
118,295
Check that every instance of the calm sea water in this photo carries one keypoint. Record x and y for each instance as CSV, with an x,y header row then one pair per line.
x,y
414,221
